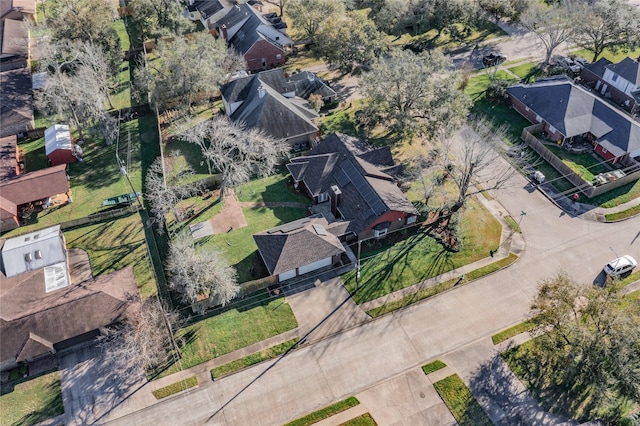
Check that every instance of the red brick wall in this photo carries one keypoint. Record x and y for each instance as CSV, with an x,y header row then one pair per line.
x,y
263,49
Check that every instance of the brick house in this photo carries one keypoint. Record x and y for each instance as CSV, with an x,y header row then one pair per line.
x,y
619,82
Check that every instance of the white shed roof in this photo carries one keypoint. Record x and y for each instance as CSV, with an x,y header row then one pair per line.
x,y
33,251
57,137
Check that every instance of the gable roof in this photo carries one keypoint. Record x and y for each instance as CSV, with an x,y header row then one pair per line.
x,y
16,110
628,69
599,66
263,107
57,137
367,190
31,320
574,111
36,185
306,83
297,244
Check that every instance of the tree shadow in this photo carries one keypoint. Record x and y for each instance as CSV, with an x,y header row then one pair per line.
x,y
50,406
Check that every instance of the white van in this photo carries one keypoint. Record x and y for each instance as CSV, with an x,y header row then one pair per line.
x,y
620,266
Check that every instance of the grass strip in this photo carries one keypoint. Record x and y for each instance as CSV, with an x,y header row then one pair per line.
x,y
433,366
458,398
254,358
513,224
31,401
523,327
439,288
175,387
612,217
363,420
326,412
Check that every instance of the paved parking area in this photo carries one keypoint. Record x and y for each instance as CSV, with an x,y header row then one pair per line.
x,y
92,385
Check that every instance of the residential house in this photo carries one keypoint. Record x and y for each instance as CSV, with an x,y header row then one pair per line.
x,y
16,115
209,11
18,10
307,84
14,45
358,185
268,102
42,307
31,192
260,39
619,82
568,110
300,247
59,145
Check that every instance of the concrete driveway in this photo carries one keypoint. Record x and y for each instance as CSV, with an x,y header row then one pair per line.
x,y
93,385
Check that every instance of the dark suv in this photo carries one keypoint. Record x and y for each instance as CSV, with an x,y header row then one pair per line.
x,y
493,59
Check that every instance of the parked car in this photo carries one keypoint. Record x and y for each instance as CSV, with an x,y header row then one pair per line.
x,y
620,266
570,64
580,61
493,59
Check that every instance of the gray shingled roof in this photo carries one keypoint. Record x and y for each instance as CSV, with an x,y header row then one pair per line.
x,y
16,108
8,150
297,244
340,159
599,66
574,111
307,84
628,69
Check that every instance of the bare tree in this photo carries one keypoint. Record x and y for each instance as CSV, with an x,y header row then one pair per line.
x,y
233,151
478,161
551,24
145,335
70,90
280,3
187,70
200,272
165,185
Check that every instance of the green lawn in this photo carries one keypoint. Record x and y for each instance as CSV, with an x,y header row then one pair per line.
x,y
255,358
113,245
32,401
33,154
501,115
363,420
343,121
238,245
523,327
121,95
326,412
585,165
233,329
461,403
98,177
275,188
192,155
122,34
609,54
527,72
420,257
440,287
433,366
175,387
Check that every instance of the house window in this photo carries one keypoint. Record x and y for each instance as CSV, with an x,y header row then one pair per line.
x,y
264,62
615,77
379,233
411,220
538,119
604,150
278,56
552,129
322,197
526,108
277,38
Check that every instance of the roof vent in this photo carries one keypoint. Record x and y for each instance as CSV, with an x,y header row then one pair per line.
x,y
28,257
38,254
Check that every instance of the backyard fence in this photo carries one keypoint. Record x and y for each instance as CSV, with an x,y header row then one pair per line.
x,y
587,188
98,217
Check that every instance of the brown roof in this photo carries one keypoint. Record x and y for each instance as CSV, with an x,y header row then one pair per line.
x,y
22,6
14,38
8,151
36,185
16,109
8,209
32,320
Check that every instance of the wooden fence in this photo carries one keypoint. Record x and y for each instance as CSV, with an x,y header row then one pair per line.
x,y
587,188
